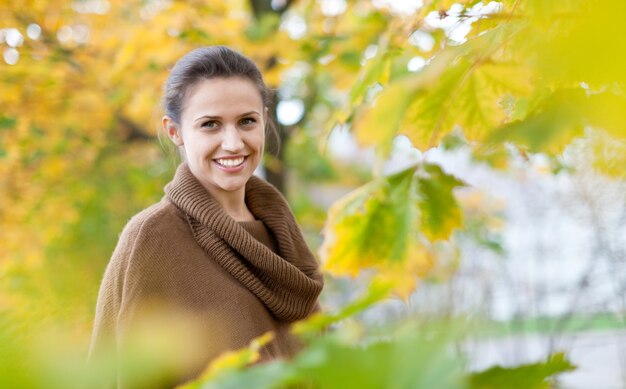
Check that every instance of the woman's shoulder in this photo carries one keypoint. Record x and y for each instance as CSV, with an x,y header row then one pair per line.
x,y
158,216
152,227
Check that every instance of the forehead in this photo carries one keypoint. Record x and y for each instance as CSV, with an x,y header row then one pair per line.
x,y
222,97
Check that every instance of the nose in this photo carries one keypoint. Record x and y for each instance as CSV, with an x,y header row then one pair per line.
x,y
232,141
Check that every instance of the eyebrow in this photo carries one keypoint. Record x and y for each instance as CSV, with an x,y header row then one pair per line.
x,y
203,117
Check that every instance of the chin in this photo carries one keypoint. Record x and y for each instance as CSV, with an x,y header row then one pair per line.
x,y
232,186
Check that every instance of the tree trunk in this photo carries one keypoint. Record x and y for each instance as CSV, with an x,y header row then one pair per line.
x,y
275,173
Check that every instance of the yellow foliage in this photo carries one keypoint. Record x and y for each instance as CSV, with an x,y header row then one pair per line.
x,y
386,224
233,360
404,277
609,156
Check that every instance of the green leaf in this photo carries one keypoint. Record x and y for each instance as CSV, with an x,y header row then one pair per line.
x,y
378,226
430,115
274,374
531,376
378,123
263,28
376,292
561,117
469,94
554,124
7,123
464,86
372,225
375,71
440,212
230,363
409,358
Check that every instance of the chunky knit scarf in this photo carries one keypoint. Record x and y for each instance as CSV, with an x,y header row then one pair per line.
x,y
288,283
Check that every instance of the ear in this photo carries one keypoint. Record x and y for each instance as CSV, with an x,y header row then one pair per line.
x,y
265,115
171,129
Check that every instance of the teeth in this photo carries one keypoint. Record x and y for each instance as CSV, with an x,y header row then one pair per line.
x,y
231,162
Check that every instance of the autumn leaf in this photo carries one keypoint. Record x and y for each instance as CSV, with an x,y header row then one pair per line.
x,y
606,111
376,292
562,117
459,87
371,226
379,226
231,360
375,71
439,209
470,94
379,122
608,154
581,41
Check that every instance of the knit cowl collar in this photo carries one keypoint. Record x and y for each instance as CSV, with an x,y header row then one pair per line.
x,y
288,284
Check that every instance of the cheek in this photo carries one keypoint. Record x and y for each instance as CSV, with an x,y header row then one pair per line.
x,y
257,141
201,144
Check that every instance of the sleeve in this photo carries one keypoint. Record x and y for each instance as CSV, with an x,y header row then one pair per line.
x,y
116,299
132,304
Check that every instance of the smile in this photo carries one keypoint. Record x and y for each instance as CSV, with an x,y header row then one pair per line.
x,y
230,162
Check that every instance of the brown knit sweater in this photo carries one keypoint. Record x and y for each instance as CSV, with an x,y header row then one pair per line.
x,y
186,254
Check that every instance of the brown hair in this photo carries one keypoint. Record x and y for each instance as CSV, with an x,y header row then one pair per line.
x,y
211,62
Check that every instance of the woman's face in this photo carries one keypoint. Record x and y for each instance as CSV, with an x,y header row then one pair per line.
x,y
222,131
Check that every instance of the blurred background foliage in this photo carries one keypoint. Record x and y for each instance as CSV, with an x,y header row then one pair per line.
x,y
523,88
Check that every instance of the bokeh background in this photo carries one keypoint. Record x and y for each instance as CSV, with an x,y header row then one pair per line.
x,y
486,140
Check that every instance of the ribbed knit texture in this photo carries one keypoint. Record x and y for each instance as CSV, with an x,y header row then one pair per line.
x,y
288,284
259,231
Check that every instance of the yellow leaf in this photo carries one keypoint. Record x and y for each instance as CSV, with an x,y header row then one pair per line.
x,y
404,277
233,360
371,226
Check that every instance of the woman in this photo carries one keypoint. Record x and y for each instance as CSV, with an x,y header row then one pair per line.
x,y
222,246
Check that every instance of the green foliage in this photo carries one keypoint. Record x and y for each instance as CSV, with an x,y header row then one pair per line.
x,y
275,374
579,40
13,371
316,167
411,357
408,359
440,212
389,225
321,321
382,207
530,376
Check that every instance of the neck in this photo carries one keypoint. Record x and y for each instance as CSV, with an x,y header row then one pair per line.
x,y
233,203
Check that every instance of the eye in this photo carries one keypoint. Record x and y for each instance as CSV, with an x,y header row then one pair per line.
x,y
209,124
247,121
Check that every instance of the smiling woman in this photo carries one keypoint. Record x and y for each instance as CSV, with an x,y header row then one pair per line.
x,y
222,135
221,250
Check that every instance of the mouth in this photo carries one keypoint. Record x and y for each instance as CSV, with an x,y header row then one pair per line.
x,y
230,163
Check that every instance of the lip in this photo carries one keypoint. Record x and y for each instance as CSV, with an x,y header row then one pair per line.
x,y
233,169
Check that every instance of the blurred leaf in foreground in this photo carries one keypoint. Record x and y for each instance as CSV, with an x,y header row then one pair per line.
x,y
376,292
531,376
409,357
231,361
